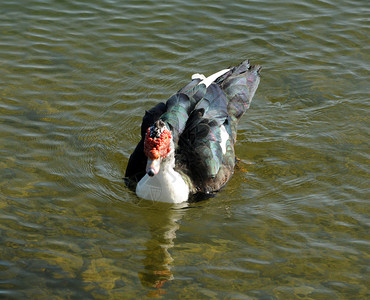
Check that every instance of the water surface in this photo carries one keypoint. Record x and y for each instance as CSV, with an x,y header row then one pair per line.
x,y
76,78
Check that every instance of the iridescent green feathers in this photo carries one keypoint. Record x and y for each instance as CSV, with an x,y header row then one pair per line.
x,y
180,106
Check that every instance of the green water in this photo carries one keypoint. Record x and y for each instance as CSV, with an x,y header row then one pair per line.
x,y
76,78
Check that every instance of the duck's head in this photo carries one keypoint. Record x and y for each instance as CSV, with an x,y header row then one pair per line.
x,y
157,146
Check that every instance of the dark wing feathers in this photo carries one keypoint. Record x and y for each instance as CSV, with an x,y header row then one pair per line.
x,y
199,146
177,113
224,102
180,106
214,104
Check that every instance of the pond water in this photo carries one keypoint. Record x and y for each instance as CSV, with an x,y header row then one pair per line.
x,y
76,78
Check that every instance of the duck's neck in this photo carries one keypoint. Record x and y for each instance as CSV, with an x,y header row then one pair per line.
x,y
166,186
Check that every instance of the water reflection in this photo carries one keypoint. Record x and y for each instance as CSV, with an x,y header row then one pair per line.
x,y
162,221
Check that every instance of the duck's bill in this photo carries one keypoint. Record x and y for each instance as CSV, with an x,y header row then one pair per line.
x,y
153,166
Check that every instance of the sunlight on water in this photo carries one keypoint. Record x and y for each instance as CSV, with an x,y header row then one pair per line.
x,y
76,78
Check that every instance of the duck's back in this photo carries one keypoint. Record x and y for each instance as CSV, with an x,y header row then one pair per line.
x,y
206,147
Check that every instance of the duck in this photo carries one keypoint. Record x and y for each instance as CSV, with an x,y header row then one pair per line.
x,y
186,150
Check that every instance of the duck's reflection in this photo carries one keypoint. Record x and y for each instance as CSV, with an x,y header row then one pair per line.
x,y
162,223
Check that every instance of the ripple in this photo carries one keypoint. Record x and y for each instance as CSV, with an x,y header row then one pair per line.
x,y
76,79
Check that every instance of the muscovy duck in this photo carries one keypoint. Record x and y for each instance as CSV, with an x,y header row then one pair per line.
x,y
187,143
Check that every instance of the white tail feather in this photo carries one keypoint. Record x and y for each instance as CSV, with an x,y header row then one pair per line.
x,y
198,76
207,81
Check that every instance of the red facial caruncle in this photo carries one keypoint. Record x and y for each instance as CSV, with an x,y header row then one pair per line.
x,y
157,142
